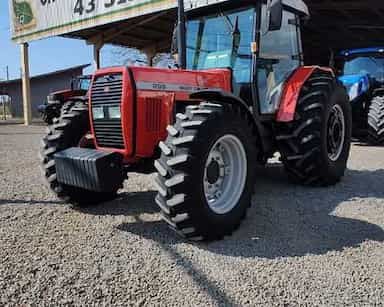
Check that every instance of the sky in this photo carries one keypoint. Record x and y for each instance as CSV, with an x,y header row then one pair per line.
x,y
51,54
45,55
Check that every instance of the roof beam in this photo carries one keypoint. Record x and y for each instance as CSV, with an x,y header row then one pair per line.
x,y
346,5
106,36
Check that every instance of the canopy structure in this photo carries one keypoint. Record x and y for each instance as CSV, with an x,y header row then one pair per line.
x,y
342,24
148,24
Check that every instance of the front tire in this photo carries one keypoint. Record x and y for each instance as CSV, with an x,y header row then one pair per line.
x,y
206,172
376,121
47,119
315,146
68,131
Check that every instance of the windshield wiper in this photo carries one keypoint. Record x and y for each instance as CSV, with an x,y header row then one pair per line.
x,y
227,20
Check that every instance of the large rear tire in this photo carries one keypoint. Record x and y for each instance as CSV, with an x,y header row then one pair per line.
x,y
315,146
376,121
206,172
68,131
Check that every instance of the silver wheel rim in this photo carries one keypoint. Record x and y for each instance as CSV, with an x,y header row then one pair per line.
x,y
335,133
225,174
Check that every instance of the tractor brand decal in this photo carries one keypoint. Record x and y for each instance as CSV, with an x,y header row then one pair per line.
x,y
23,15
151,86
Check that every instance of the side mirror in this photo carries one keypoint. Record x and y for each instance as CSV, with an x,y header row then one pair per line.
x,y
275,13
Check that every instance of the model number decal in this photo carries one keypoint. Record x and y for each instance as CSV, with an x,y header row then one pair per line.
x,y
170,87
158,86
89,6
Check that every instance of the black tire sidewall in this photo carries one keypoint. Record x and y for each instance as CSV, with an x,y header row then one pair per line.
x,y
207,137
374,121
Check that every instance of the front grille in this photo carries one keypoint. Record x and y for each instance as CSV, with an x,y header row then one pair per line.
x,y
107,91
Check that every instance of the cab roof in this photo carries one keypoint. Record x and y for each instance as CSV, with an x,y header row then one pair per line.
x,y
350,52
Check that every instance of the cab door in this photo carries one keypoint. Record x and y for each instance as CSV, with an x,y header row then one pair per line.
x,y
280,53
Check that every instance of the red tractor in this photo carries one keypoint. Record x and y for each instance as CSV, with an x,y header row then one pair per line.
x,y
52,108
240,94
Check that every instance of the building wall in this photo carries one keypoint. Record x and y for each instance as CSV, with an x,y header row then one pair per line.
x,y
40,87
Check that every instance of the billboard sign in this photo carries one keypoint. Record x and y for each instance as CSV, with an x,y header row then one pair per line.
x,y
36,19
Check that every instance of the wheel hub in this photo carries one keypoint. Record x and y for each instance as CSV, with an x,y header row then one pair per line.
x,y
213,172
225,174
336,133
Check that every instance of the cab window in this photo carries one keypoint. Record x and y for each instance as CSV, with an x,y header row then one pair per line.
x,y
279,56
214,42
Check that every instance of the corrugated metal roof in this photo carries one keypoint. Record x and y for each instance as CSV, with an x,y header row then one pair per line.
x,y
57,72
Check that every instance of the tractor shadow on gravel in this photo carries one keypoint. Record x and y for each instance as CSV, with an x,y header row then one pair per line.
x,y
127,204
288,220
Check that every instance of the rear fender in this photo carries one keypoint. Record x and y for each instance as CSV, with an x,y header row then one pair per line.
x,y
79,98
66,95
292,89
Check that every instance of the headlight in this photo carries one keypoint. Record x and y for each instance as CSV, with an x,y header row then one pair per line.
x,y
114,112
106,112
354,91
98,113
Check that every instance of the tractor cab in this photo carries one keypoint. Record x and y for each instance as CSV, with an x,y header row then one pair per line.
x,y
259,42
361,71
55,102
81,83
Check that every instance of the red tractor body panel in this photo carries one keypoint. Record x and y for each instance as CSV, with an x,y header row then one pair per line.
x,y
149,96
63,93
127,110
157,90
148,103
292,89
180,82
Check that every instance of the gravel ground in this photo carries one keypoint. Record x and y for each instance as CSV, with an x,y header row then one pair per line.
x,y
298,246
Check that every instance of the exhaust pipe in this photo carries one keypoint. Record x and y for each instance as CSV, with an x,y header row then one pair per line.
x,y
181,39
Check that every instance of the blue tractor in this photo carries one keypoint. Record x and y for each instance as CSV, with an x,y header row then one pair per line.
x,y
362,73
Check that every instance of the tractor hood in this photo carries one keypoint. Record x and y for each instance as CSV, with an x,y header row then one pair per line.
x,y
356,85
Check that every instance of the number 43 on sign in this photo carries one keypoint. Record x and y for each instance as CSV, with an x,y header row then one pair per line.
x,y
89,6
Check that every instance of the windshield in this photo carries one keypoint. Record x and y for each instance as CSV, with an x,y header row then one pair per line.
x,y
365,65
82,83
85,84
222,40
